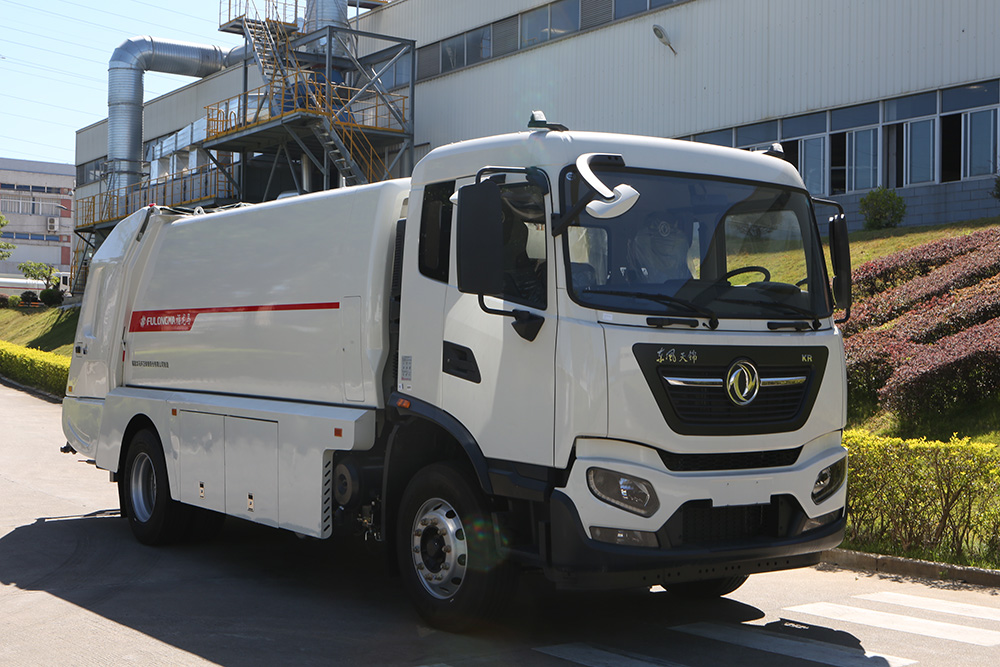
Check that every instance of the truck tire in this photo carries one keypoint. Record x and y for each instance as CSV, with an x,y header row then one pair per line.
x,y
707,588
447,550
143,488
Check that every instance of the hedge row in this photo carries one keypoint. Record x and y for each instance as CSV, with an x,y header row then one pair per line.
x,y
958,370
950,313
887,272
34,368
963,271
932,499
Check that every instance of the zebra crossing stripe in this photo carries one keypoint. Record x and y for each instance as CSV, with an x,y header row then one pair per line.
x,y
932,604
820,652
910,624
589,656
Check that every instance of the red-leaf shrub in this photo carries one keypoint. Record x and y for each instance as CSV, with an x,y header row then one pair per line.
x,y
957,370
887,272
948,314
965,270
872,358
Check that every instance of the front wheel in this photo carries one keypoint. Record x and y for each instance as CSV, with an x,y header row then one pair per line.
x,y
447,550
145,496
707,588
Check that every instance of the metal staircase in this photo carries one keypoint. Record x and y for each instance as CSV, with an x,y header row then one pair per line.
x,y
268,41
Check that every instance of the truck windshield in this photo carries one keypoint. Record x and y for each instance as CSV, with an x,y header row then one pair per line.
x,y
699,246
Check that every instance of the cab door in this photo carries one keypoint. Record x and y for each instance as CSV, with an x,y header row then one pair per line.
x,y
498,358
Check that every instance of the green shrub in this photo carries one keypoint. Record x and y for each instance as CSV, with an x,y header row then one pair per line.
x,y
42,370
28,297
936,500
882,208
51,297
3,301
13,301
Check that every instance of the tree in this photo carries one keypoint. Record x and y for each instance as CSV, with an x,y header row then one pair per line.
x,y
5,247
40,271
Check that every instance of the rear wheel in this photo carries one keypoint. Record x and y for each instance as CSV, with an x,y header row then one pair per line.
x,y
707,588
447,550
153,517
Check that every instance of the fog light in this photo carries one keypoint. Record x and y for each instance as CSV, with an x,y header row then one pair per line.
x,y
632,494
628,538
829,480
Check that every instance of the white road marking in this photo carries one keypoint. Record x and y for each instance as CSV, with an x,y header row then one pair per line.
x,y
589,656
916,626
804,649
932,604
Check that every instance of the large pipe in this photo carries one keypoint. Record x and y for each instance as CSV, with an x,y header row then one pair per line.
x,y
141,54
129,62
323,13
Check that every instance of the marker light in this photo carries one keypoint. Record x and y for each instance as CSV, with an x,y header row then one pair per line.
x,y
829,480
631,494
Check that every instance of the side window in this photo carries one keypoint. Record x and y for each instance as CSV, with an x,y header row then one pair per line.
x,y
435,230
524,238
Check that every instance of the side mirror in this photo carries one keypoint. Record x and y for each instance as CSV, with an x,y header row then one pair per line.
x,y
479,239
840,256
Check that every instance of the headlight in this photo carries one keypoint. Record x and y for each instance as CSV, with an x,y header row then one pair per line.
x,y
829,480
631,494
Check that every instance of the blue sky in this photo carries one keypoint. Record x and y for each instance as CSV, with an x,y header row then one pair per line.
x,y
54,63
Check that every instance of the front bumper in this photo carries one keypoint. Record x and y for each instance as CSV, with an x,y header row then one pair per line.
x,y
575,561
707,524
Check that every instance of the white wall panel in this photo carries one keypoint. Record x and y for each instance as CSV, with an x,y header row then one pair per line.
x,y
738,61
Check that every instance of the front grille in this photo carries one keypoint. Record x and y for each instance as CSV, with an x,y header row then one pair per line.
x,y
698,525
730,461
710,404
714,525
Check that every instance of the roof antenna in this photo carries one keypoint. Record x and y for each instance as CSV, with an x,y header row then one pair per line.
x,y
538,122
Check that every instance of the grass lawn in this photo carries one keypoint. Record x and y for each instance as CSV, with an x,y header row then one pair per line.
x,y
47,329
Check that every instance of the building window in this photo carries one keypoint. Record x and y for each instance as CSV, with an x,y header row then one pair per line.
x,y
478,45
653,4
979,144
534,27
565,17
625,8
452,53
919,137
757,134
969,97
862,160
719,137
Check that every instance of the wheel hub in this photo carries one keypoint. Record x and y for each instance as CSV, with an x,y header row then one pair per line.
x,y
142,487
439,548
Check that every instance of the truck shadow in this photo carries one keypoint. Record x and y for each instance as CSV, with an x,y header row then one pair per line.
x,y
255,595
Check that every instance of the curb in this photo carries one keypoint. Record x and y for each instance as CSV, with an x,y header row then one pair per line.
x,y
44,395
908,567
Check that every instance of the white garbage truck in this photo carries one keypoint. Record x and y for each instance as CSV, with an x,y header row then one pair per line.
x,y
609,358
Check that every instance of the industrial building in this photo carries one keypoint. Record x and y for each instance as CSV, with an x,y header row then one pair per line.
x,y
900,93
36,199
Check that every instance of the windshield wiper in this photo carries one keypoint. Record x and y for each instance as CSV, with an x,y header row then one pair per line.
x,y
788,308
663,300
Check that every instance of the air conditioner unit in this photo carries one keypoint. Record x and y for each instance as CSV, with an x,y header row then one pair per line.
x,y
53,225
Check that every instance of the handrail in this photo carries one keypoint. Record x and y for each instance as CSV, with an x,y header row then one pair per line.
x,y
302,92
186,187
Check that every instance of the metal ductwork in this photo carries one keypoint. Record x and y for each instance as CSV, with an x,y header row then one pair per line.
x,y
125,73
323,13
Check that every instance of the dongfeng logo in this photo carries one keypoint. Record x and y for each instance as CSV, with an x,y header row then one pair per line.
x,y
742,382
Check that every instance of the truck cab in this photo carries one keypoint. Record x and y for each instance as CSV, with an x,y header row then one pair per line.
x,y
639,335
